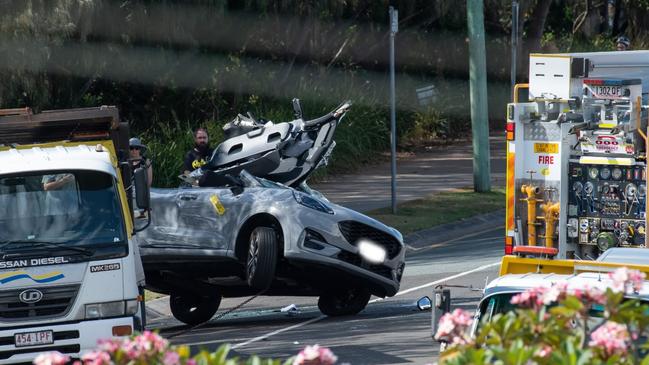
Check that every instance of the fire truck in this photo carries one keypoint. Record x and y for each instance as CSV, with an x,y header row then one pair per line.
x,y
576,155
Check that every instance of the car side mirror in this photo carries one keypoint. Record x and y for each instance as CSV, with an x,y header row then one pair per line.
x,y
424,304
297,108
142,192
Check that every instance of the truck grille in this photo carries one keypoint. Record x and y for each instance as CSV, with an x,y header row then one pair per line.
x,y
56,301
354,231
65,349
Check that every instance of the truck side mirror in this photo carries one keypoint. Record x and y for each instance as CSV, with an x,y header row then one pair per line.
x,y
441,305
142,192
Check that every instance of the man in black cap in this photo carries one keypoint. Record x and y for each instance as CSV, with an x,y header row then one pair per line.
x,y
623,43
200,154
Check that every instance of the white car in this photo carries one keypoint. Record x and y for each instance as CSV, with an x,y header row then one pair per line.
x,y
245,235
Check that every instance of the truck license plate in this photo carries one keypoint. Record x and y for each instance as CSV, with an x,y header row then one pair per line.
x,y
608,91
34,338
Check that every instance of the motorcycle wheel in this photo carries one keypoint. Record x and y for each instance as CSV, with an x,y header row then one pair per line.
x,y
193,309
262,258
344,302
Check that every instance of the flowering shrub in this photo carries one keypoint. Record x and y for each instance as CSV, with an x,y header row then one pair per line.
x,y
556,325
149,348
452,327
315,355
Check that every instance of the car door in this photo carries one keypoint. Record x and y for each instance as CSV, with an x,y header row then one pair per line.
x,y
204,216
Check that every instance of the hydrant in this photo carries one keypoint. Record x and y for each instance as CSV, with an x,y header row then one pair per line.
x,y
531,191
550,215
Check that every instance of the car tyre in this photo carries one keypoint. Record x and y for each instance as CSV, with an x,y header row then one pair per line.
x,y
344,302
193,309
262,258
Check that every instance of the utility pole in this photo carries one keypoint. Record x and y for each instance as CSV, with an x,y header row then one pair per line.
x,y
394,28
478,91
514,47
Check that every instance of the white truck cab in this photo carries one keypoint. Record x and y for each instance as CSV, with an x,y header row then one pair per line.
x,y
69,267
519,274
498,294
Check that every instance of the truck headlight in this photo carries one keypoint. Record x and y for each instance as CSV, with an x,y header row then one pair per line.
x,y
311,202
111,309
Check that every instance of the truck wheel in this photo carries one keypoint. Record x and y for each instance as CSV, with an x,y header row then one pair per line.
x,y
344,302
193,309
262,258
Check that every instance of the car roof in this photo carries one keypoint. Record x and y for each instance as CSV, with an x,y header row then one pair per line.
x,y
626,255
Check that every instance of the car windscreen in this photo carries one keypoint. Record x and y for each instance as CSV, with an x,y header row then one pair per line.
x,y
69,208
501,303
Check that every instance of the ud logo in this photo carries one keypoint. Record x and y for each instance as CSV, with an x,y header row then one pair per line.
x,y
30,296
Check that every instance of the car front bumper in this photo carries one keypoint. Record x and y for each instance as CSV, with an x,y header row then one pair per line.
x,y
328,243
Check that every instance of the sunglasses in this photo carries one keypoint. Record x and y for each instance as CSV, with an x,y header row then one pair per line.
x,y
135,148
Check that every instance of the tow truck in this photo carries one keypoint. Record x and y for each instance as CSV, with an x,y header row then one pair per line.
x,y
577,155
69,266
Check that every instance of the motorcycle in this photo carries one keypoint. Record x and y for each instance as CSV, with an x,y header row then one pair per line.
x,y
286,152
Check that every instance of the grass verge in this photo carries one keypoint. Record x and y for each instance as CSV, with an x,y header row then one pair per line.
x,y
440,208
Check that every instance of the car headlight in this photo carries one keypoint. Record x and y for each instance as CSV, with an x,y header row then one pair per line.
x,y
311,202
111,309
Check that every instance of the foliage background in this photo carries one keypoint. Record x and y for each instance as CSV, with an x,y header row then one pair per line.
x,y
173,65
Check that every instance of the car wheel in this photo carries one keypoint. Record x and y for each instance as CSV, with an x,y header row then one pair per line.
x,y
262,258
344,302
193,309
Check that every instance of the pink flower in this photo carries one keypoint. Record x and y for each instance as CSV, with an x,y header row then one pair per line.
x,y
541,295
611,337
51,358
190,362
315,355
142,346
171,358
593,295
452,327
110,346
531,298
544,351
96,358
626,280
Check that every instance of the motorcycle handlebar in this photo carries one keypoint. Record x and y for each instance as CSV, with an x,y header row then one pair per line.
x,y
336,114
322,120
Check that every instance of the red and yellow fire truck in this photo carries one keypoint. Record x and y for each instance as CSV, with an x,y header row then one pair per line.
x,y
576,155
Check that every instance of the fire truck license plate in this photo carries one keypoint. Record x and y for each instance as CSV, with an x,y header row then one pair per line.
x,y
34,338
608,90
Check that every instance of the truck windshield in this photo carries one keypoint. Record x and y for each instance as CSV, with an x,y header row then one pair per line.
x,y
52,211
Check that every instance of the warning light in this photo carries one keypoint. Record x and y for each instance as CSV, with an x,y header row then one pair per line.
x,y
510,128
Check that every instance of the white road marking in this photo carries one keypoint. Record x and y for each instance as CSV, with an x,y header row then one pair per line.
x,y
483,267
316,319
